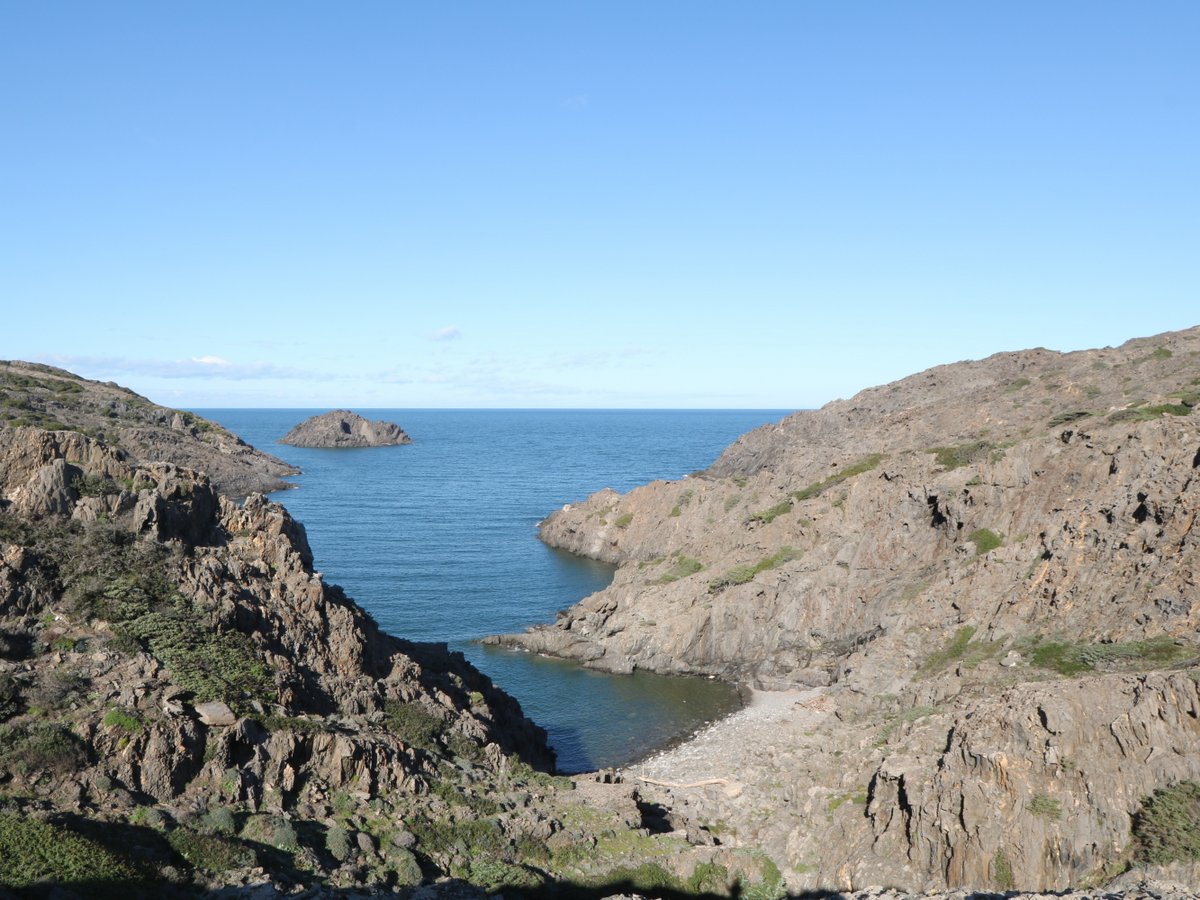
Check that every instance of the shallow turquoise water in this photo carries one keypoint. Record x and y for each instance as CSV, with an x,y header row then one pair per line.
x,y
437,540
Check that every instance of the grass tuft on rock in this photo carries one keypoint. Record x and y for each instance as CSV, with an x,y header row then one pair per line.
x,y
866,464
744,574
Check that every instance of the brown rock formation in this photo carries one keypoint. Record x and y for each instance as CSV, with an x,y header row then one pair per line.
x,y
58,401
958,547
342,428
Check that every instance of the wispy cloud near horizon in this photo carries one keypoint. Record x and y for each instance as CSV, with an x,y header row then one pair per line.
x,y
207,366
449,333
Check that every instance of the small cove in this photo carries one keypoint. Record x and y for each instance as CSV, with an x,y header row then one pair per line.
x,y
437,540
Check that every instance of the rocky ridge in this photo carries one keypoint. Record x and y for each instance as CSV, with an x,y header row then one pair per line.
x,y
988,570
42,396
343,428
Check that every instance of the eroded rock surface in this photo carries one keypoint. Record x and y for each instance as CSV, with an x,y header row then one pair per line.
x,y
55,400
342,428
989,570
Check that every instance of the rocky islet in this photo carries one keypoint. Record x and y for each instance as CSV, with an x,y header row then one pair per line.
x,y
343,428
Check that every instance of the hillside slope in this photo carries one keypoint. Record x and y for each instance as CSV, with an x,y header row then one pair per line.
x,y
938,551
42,396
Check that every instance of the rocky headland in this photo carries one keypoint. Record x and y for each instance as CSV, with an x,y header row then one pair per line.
x,y
981,584
137,430
187,708
343,428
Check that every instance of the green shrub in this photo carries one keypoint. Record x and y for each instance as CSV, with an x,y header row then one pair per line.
x,y
211,852
766,516
496,876
708,878
36,855
961,454
219,820
1045,806
10,696
866,464
40,747
126,721
743,574
623,521
1144,413
770,883
339,843
1017,384
413,724
985,540
954,650
1072,659
683,567
1073,415
1167,828
93,485
1002,872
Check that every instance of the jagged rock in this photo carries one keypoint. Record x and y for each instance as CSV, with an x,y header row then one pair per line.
x,y
49,491
144,431
343,428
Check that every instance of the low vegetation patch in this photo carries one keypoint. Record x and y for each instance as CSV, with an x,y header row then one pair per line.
x,y
866,464
1073,415
1002,872
413,724
743,574
1143,413
964,454
985,540
909,715
962,649
212,852
682,568
766,516
40,747
1045,806
1073,659
36,854
1167,828
623,521
124,720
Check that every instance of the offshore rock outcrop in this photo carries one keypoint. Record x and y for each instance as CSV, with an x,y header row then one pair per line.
x,y
944,558
343,428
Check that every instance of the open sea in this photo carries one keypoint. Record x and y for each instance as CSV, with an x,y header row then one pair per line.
x,y
437,540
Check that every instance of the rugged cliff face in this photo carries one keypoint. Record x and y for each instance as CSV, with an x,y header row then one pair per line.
x,y
138,430
1001,525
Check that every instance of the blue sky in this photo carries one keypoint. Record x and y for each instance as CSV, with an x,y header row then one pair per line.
x,y
605,204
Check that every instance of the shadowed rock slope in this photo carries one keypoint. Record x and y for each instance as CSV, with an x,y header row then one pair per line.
x,y
991,570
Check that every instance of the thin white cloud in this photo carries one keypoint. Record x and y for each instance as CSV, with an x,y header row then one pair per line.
x,y
449,333
576,101
197,367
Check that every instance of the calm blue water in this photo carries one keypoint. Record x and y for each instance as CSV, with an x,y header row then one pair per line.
x,y
438,541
